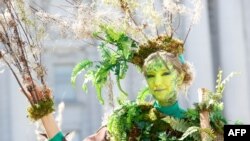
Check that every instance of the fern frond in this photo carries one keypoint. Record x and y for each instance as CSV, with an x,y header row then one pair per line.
x,y
227,79
104,51
83,65
142,95
209,132
189,131
177,124
89,76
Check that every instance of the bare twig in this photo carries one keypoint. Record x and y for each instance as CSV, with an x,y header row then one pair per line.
x,y
124,6
19,39
18,81
189,29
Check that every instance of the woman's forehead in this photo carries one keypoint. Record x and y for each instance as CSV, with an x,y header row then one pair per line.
x,y
158,65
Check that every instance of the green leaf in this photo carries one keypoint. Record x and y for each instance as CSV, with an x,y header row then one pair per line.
x,y
89,76
96,34
126,44
142,95
100,78
117,69
122,99
123,71
119,87
102,74
84,87
83,65
189,131
111,34
99,93
105,52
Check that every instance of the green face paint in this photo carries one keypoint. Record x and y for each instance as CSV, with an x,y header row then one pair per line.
x,y
162,81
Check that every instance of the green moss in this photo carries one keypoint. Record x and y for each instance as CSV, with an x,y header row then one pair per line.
x,y
42,108
165,43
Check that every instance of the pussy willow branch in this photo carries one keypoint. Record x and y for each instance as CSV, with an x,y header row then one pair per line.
x,y
7,46
26,74
17,19
28,36
24,59
171,26
126,10
18,81
169,17
40,55
25,31
156,28
164,23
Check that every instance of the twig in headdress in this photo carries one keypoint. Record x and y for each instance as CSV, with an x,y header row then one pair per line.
x,y
189,29
124,6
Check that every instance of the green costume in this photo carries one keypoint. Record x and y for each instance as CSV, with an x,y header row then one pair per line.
x,y
58,137
172,110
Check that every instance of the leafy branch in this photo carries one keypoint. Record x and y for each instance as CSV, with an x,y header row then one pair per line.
x,y
112,60
213,99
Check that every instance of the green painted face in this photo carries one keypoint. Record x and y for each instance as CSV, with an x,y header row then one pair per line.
x,y
163,81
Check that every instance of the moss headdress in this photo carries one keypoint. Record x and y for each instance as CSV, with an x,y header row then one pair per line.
x,y
160,43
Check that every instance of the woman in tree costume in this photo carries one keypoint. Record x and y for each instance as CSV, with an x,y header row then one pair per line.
x,y
166,73
159,57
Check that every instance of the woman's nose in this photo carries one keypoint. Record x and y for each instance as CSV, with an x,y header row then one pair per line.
x,y
158,81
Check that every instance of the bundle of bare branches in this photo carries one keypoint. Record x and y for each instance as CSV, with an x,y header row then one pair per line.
x,y
21,39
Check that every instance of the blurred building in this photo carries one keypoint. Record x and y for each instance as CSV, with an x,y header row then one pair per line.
x,y
220,40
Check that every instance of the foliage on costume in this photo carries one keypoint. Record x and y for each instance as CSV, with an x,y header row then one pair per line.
x,y
141,121
213,100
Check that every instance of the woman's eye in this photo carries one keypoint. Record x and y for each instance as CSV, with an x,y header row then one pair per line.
x,y
166,73
149,75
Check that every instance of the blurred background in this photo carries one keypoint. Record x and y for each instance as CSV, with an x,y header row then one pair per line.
x,y
221,40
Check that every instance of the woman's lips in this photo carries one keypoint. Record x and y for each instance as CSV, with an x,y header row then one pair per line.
x,y
158,90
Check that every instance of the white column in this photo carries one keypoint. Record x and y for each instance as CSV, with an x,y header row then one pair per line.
x,y
198,52
233,58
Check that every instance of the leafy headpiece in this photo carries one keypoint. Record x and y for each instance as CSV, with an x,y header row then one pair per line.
x,y
125,39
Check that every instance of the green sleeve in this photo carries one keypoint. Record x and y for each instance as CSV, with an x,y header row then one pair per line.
x,y
58,137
